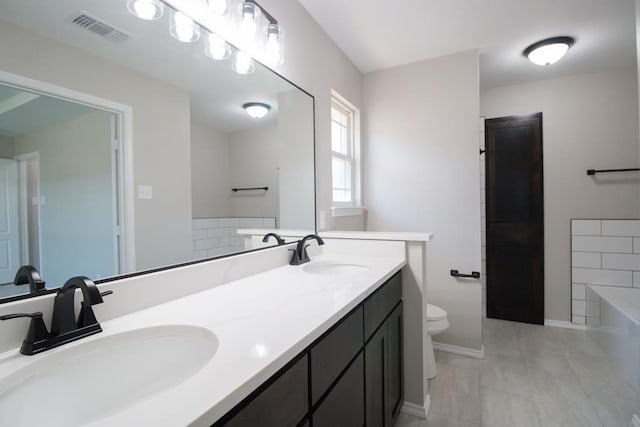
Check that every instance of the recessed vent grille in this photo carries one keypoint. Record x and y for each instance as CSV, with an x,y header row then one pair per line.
x,y
96,26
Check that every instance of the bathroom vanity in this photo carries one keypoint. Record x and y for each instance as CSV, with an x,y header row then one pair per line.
x,y
284,345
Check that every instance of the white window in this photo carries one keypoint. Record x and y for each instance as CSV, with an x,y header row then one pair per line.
x,y
345,152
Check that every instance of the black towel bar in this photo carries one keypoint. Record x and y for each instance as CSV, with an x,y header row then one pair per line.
x,y
473,275
594,171
235,190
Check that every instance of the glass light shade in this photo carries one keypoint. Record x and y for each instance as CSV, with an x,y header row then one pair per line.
x,y
549,51
146,9
183,28
248,24
218,6
217,48
257,110
243,63
273,48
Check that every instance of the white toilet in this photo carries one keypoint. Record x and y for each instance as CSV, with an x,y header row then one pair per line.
x,y
437,322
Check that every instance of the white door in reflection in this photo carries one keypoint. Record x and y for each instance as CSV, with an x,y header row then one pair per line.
x,y
9,252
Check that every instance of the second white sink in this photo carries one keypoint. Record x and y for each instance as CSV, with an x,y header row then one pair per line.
x,y
334,268
101,377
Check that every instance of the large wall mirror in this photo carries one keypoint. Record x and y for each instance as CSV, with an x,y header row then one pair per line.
x,y
120,146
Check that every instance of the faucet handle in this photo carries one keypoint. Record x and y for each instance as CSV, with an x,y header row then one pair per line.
x,y
37,334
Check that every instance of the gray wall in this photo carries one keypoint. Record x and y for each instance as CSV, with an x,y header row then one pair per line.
x,y
421,174
7,148
589,121
209,172
76,218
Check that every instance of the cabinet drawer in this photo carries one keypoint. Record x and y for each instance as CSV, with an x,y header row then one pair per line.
x,y
334,351
344,405
282,403
380,304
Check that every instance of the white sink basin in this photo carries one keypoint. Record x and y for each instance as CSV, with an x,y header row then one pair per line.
x,y
334,268
104,376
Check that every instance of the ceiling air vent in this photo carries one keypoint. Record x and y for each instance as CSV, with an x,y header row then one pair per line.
x,y
96,26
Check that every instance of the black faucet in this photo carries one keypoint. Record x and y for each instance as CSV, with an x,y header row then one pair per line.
x,y
64,326
28,274
300,255
279,239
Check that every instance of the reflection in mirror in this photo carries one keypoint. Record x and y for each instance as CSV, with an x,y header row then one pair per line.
x,y
119,150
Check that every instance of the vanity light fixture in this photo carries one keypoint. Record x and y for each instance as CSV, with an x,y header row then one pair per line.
x,y
217,48
148,10
548,51
257,110
183,28
243,63
273,46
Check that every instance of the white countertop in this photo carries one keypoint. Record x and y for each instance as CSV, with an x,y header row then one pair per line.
x,y
261,322
399,236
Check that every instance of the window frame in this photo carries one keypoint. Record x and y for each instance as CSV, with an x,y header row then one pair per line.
x,y
353,150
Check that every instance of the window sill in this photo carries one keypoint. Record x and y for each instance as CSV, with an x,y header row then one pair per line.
x,y
338,211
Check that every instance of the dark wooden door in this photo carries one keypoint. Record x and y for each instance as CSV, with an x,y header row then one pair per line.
x,y
515,222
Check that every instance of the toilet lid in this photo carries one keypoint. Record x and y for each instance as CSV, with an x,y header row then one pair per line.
x,y
435,313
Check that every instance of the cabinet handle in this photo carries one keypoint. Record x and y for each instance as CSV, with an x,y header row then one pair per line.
x,y
473,275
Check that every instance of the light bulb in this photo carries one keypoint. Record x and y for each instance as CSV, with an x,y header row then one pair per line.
x,y
217,48
272,47
244,63
218,6
146,9
184,29
248,25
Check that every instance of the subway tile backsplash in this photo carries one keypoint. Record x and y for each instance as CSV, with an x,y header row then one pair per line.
x,y
603,252
218,236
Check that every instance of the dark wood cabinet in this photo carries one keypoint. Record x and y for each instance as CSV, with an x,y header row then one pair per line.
x,y
351,376
344,405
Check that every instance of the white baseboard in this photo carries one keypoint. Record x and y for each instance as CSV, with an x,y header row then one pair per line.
x,y
463,351
635,421
417,410
566,325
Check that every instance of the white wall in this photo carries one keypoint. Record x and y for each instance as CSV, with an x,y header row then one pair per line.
x,y
297,206
7,149
209,172
161,134
589,121
253,162
421,174
76,218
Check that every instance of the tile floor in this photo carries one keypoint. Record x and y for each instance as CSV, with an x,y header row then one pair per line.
x,y
531,376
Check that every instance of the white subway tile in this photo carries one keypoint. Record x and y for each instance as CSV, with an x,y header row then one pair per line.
x,y
578,320
205,223
199,254
636,245
602,244
217,232
601,277
636,279
204,244
199,233
621,261
269,222
622,227
224,241
578,291
223,222
586,227
578,308
586,259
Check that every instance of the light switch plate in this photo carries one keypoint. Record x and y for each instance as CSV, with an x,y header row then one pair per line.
x,y
145,192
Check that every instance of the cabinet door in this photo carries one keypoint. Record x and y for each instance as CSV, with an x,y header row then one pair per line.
x,y
394,365
283,403
344,405
375,356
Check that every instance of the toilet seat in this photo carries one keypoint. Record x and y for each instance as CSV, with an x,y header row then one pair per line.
x,y
435,313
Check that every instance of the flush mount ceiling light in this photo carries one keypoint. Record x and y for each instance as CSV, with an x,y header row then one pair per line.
x,y
548,51
257,110
148,10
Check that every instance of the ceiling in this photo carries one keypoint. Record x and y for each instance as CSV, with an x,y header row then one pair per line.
x,y
216,92
380,34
